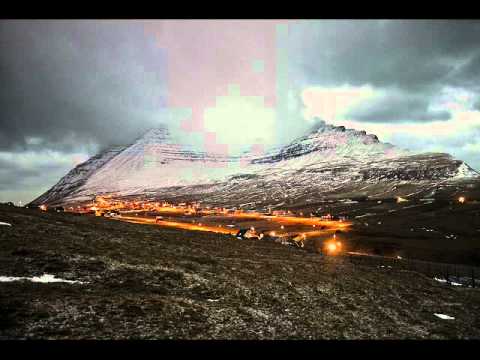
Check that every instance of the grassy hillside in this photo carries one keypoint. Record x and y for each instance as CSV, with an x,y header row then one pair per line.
x,y
148,282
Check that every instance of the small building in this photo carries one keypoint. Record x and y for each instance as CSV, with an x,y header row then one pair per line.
x,y
248,234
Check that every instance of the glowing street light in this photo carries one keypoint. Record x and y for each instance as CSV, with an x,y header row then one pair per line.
x,y
461,199
332,247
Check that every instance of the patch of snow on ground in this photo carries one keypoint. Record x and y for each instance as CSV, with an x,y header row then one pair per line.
x,y
45,278
4,223
364,215
444,281
444,317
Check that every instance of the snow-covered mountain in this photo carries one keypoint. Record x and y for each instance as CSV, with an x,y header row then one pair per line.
x,y
329,159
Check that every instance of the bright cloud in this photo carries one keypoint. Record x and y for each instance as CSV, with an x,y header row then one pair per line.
x,y
331,104
239,120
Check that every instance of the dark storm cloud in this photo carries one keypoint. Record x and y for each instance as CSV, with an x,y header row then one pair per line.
x,y
467,75
24,173
415,58
11,174
102,82
397,108
71,83
406,54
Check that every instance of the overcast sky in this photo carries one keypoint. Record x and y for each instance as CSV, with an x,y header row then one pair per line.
x,y
72,88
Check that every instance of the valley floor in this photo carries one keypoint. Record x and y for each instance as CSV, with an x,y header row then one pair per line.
x,y
148,282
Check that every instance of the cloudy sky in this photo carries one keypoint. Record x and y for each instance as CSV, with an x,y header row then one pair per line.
x,y
72,88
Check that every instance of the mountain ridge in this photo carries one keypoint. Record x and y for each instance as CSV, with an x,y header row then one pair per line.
x,y
328,156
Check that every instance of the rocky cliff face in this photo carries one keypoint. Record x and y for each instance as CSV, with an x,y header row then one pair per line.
x,y
328,159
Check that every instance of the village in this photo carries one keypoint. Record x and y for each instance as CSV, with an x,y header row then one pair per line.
x,y
325,233
285,227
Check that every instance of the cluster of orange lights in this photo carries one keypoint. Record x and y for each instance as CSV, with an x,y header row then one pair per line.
x,y
333,247
101,204
107,203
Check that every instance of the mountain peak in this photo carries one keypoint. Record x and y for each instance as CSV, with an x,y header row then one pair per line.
x,y
320,126
328,156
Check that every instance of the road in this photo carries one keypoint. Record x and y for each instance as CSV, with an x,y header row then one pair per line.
x,y
175,224
280,225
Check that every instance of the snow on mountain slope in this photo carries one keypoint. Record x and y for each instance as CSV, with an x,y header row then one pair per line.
x,y
465,171
328,159
334,142
156,161
302,184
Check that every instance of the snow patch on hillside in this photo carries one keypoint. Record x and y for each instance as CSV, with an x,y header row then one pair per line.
x,y
45,278
465,171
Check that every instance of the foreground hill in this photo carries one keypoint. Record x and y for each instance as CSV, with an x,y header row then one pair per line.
x,y
143,281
